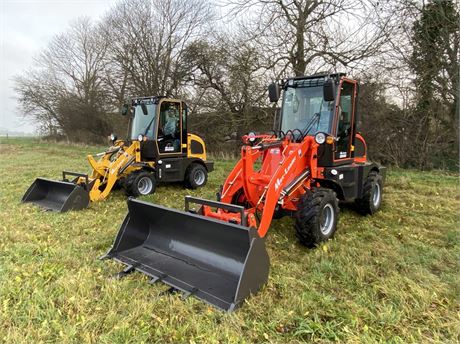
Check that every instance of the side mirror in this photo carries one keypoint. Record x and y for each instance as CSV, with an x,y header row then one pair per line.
x,y
144,109
124,109
329,90
274,92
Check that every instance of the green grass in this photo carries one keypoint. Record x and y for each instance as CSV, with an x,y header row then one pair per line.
x,y
392,277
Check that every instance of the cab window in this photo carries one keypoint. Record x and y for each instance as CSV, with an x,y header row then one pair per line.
x,y
169,138
344,124
305,106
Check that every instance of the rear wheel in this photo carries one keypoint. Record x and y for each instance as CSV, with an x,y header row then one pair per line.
x,y
371,200
316,217
140,183
196,176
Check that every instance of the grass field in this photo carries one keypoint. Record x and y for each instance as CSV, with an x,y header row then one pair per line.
x,y
393,277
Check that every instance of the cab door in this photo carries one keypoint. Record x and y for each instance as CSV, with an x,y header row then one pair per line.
x,y
169,135
344,124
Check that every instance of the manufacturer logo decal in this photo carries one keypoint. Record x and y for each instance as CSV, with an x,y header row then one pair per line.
x,y
279,181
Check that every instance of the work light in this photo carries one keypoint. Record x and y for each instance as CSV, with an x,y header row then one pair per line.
x,y
320,138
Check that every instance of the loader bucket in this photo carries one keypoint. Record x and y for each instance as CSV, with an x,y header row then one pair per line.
x,y
57,195
218,262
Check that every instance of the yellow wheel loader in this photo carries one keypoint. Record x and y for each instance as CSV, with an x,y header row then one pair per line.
x,y
158,149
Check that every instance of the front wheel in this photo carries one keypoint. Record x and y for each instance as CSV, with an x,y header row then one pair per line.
x,y
140,183
317,216
196,176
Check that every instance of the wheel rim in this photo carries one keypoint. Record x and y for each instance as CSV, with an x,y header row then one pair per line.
x,y
376,195
199,177
145,185
327,219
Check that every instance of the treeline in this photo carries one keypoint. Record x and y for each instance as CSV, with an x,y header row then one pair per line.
x,y
220,57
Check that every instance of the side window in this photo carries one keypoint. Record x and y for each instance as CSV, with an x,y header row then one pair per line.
x,y
344,121
169,138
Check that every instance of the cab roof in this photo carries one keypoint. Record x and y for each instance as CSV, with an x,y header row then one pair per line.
x,y
318,75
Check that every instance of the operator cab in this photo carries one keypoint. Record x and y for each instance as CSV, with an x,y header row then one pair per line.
x,y
160,124
304,107
158,127
143,121
321,103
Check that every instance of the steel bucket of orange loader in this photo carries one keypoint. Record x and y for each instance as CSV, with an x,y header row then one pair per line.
x,y
57,195
219,262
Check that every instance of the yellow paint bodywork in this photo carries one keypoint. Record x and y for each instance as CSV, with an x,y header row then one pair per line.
x,y
194,137
113,164
121,160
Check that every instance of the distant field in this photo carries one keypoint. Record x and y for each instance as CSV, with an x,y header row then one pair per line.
x,y
393,277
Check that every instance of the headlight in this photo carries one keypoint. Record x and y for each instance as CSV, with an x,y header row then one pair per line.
x,y
140,137
251,137
113,137
320,138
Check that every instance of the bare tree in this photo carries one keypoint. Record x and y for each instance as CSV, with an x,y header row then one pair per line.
x,y
147,41
313,34
68,71
229,87
76,56
38,93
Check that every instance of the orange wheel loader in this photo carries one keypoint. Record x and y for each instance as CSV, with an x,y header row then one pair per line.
x,y
215,250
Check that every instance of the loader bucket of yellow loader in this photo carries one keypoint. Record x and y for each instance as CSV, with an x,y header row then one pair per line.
x,y
57,195
218,262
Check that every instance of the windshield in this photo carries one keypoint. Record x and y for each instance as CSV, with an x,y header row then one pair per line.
x,y
143,124
300,104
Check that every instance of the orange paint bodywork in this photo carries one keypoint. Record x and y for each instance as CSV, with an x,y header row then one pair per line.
x,y
280,163
362,158
272,175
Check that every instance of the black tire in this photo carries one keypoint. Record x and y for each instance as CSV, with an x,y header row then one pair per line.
x,y
239,198
279,212
371,200
196,176
118,185
317,216
140,183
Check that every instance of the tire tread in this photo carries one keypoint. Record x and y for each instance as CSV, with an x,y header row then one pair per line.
x,y
364,204
307,216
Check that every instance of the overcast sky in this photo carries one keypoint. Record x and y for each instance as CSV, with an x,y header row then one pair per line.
x,y
26,26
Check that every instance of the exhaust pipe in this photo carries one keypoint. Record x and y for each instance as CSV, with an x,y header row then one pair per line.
x,y
218,262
